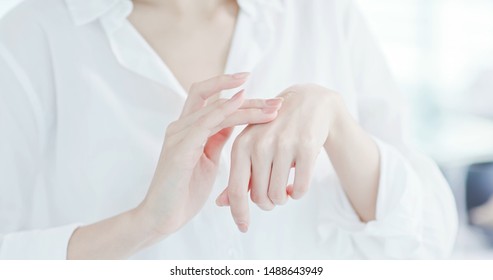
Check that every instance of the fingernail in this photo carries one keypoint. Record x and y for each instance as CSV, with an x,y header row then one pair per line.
x,y
274,102
241,75
243,227
219,203
237,95
270,110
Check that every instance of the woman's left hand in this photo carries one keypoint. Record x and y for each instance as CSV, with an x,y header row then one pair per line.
x,y
264,154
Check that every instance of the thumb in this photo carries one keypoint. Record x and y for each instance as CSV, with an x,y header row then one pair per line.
x,y
215,144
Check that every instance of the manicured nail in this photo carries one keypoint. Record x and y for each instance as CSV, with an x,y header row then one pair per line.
x,y
274,102
241,75
237,95
270,110
243,227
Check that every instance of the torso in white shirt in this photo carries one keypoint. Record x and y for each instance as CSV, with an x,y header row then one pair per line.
x,y
108,97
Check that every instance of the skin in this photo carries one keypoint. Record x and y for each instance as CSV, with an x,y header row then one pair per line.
x,y
184,175
180,32
312,118
163,23
193,37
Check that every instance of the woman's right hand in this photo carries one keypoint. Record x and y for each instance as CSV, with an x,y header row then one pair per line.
x,y
184,174
191,151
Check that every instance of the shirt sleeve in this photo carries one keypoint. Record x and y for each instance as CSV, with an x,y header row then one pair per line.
x,y
416,215
46,244
24,124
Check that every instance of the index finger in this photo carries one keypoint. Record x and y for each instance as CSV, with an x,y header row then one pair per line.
x,y
201,91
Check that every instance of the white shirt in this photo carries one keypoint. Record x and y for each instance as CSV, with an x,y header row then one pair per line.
x,y
84,103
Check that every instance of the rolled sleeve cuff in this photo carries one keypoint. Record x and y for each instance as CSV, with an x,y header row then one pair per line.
x,y
415,216
399,199
49,244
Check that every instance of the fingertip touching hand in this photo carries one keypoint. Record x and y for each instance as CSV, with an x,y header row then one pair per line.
x,y
191,150
263,155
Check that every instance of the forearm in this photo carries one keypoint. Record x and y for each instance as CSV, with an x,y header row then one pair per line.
x,y
356,160
118,237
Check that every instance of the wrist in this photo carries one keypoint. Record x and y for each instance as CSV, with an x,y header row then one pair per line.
x,y
145,221
341,125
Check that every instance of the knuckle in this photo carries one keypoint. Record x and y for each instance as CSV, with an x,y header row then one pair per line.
x,y
308,145
261,148
284,145
257,197
242,141
277,197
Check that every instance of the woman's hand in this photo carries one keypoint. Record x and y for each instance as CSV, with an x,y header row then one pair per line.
x,y
188,163
263,155
311,118
184,175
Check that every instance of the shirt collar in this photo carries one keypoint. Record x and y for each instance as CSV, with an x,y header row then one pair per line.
x,y
86,11
256,22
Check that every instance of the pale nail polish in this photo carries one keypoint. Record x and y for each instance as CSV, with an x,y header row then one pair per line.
x,y
270,110
243,227
274,102
237,95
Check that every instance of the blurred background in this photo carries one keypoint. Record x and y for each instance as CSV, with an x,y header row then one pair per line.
x,y
441,53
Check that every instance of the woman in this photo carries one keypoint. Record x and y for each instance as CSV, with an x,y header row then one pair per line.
x,y
88,88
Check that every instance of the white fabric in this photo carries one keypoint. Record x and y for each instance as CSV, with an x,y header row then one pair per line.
x,y
84,103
